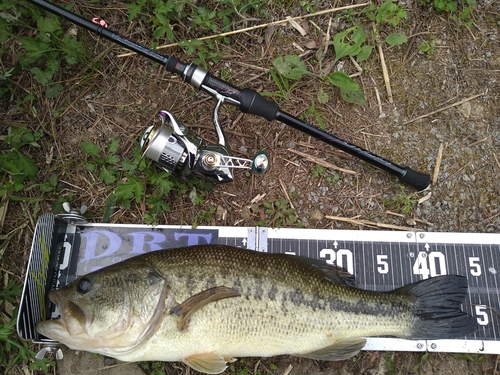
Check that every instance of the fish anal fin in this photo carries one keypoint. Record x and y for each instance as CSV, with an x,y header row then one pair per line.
x,y
196,302
340,350
208,363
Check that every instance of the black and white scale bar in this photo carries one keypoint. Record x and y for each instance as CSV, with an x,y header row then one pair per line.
x,y
379,260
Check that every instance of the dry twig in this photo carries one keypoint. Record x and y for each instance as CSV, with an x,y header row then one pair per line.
x,y
288,370
438,163
321,162
371,223
385,73
261,26
445,108
283,187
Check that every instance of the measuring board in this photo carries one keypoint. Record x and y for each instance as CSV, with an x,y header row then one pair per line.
x,y
380,260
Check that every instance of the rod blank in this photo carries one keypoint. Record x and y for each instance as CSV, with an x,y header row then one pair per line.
x,y
249,100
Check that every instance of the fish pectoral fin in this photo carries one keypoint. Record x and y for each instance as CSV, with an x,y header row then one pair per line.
x,y
340,350
208,363
196,302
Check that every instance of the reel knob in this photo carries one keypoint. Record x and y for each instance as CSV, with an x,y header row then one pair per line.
x,y
260,163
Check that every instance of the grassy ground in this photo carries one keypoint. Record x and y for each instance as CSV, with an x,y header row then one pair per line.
x,y
72,109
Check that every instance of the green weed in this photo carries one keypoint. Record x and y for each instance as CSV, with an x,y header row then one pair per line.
x,y
427,48
387,13
471,357
13,350
290,68
323,99
16,169
154,368
402,202
280,213
103,163
449,5
460,9
285,70
136,180
318,171
43,51
164,17
389,362
204,217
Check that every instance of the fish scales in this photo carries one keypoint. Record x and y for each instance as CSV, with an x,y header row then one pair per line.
x,y
204,305
298,290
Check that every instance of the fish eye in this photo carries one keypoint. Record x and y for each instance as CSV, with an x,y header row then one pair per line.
x,y
84,285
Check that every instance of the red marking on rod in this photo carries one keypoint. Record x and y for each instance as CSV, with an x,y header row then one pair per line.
x,y
100,22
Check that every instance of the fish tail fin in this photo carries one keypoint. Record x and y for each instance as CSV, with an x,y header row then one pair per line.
x,y
436,305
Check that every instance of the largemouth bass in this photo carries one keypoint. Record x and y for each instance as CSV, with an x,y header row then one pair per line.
x,y
205,305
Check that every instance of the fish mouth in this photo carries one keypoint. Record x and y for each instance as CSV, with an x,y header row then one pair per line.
x,y
75,316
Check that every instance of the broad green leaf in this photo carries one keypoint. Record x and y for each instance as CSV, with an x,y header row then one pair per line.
x,y
52,91
451,6
113,146
159,31
41,76
112,159
90,148
322,96
130,189
47,25
390,13
107,176
163,19
129,166
348,43
358,36
366,51
34,49
164,184
133,10
343,81
72,49
91,167
353,96
291,67
26,166
395,39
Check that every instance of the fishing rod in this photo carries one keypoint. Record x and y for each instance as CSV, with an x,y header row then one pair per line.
x,y
178,151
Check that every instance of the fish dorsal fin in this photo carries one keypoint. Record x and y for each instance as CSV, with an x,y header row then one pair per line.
x,y
208,363
332,272
196,302
340,350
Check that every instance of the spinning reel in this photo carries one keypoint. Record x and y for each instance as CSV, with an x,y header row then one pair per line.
x,y
176,150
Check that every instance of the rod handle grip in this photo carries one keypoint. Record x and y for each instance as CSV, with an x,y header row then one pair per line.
x,y
255,104
251,101
419,181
